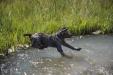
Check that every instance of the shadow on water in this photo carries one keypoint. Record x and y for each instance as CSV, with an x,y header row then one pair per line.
x,y
95,59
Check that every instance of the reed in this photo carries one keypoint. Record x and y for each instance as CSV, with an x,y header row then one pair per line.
x,y
29,16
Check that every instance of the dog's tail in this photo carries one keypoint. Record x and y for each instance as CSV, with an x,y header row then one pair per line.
x,y
29,35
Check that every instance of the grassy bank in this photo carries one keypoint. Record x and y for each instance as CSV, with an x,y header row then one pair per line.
x,y
24,16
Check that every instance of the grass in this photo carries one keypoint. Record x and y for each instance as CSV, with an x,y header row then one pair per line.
x,y
28,16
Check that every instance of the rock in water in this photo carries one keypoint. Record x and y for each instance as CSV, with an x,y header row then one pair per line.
x,y
12,49
97,32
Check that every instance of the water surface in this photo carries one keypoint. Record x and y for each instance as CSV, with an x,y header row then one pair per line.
x,y
96,58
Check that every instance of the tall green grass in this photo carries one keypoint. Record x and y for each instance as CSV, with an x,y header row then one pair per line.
x,y
28,16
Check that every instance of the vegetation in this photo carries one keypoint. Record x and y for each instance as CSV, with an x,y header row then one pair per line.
x,y
28,16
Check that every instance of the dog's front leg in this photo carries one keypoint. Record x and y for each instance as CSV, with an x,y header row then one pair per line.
x,y
59,49
69,46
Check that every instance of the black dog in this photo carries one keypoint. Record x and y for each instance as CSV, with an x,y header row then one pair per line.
x,y
41,40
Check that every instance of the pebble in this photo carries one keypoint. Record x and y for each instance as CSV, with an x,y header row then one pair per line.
x,y
12,49
97,32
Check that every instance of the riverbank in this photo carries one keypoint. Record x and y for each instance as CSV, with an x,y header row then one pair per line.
x,y
81,17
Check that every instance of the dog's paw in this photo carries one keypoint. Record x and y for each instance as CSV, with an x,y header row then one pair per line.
x,y
78,49
67,56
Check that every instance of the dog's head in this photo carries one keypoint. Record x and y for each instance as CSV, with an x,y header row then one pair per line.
x,y
64,33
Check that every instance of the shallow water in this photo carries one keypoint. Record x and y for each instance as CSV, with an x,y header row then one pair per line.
x,y
96,58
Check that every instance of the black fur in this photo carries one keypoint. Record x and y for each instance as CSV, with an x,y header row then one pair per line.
x,y
41,40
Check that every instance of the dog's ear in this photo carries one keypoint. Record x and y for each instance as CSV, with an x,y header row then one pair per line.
x,y
64,29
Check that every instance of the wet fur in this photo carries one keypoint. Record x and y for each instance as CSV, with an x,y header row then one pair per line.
x,y
56,40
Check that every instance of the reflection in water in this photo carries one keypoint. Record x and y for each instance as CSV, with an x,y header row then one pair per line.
x,y
95,59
